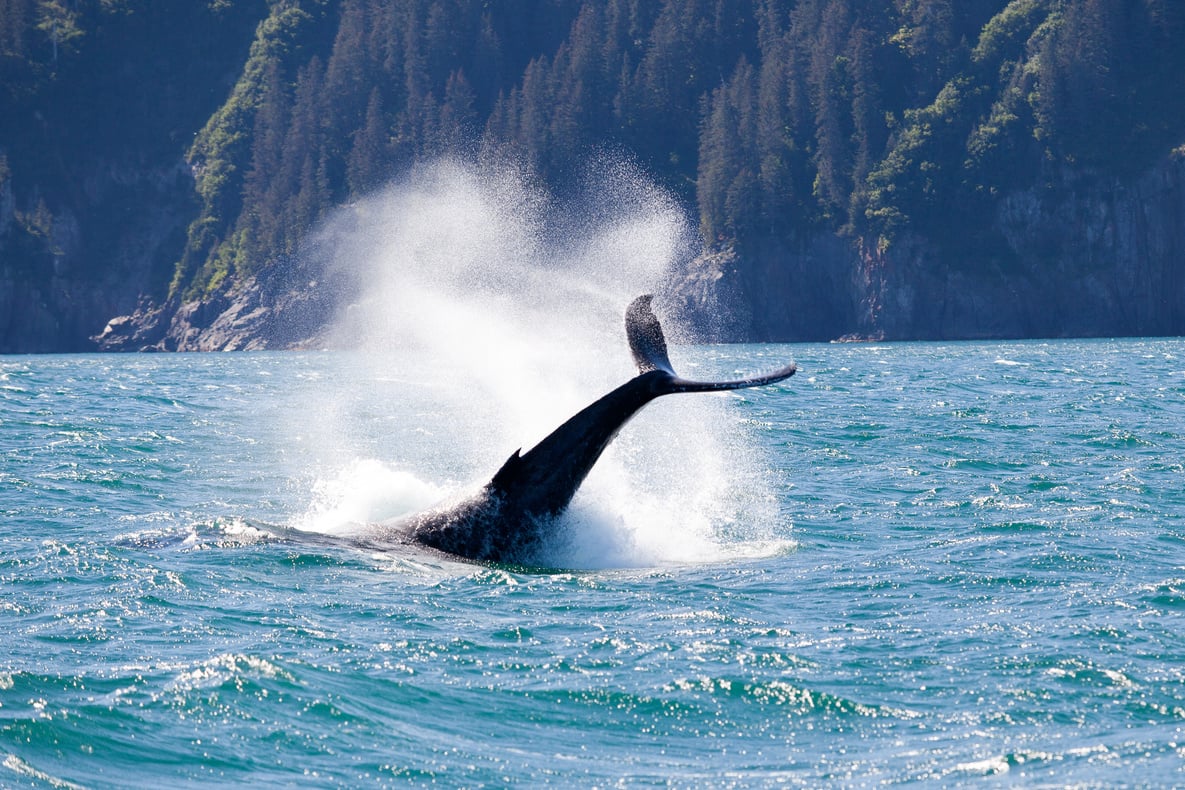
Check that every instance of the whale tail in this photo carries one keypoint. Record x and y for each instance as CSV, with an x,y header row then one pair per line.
x,y
649,347
549,474
504,521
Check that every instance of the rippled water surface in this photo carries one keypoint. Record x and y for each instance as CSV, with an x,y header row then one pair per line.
x,y
909,564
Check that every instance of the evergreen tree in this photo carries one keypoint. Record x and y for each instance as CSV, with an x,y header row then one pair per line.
x,y
727,187
369,161
457,128
260,193
832,99
777,118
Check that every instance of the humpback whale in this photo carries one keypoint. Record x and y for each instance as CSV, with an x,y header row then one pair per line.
x,y
508,518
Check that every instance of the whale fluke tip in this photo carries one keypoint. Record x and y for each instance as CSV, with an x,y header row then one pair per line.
x,y
649,347
647,343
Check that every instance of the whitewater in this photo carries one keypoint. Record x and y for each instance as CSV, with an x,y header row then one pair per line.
x,y
925,564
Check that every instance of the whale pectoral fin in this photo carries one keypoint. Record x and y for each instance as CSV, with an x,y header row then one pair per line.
x,y
647,343
683,385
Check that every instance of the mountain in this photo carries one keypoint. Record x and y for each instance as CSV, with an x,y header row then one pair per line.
x,y
897,169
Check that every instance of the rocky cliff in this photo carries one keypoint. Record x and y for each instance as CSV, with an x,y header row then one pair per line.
x,y
53,296
99,103
1081,255
288,306
1077,257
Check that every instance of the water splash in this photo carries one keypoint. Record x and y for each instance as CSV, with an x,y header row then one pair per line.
x,y
488,313
363,492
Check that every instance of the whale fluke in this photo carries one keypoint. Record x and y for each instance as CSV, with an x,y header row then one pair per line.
x,y
649,348
647,343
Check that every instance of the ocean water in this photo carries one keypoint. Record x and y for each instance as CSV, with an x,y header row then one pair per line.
x,y
910,564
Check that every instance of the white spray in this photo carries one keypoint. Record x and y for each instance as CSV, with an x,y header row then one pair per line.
x,y
481,328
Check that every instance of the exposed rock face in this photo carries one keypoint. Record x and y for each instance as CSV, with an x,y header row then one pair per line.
x,y
283,308
804,290
52,295
1083,257
1079,258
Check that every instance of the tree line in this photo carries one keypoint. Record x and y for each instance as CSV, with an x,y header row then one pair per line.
x,y
773,118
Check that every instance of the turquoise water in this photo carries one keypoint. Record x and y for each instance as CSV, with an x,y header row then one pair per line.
x,y
914,564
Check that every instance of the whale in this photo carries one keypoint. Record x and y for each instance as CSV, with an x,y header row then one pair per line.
x,y
513,515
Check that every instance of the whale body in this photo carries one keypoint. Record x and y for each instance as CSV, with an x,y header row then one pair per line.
x,y
508,519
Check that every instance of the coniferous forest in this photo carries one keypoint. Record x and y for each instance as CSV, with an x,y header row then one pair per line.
x,y
885,168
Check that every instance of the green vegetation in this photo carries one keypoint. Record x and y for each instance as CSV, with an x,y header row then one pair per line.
x,y
775,118
98,101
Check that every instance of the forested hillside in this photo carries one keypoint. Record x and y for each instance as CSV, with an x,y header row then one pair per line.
x,y
99,103
908,168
